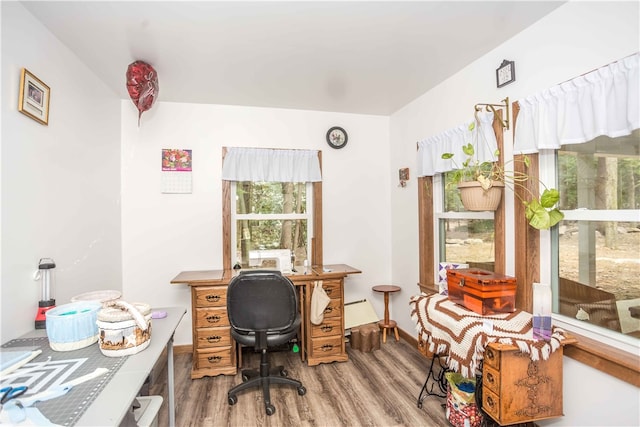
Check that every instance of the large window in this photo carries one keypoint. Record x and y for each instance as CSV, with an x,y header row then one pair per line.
x,y
271,215
465,237
598,244
271,202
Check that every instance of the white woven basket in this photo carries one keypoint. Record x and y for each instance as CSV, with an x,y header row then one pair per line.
x,y
124,328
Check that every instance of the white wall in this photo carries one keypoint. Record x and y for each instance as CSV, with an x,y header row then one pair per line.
x,y
574,39
60,192
60,183
164,234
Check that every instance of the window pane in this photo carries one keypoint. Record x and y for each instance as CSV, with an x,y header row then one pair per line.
x,y
271,234
469,241
270,197
598,253
452,202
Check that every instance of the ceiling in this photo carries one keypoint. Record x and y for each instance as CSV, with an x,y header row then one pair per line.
x,y
366,57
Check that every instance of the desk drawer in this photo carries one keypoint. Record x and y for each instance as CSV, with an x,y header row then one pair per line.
x,y
491,403
213,337
492,357
334,308
211,296
332,288
491,379
215,357
211,317
321,347
330,326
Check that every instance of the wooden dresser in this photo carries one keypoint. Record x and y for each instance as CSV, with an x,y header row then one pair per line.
x,y
214,351
325,342
516,389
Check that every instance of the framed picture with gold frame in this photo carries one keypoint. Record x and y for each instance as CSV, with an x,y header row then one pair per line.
x,y
34,97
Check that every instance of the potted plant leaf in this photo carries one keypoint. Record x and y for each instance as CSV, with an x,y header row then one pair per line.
x,y
481,183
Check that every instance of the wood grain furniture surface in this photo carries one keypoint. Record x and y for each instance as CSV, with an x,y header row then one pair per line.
x,y
215,352
516,389
521,376
386,323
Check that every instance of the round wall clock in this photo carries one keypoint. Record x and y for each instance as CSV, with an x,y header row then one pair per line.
x,y
337,137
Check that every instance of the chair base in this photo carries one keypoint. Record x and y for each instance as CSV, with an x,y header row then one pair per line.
x,y
263,379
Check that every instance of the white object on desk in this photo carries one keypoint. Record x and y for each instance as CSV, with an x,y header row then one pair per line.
x,y
13,360
114,400
282,257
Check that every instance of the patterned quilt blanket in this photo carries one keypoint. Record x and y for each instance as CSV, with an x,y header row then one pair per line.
x,y
461,335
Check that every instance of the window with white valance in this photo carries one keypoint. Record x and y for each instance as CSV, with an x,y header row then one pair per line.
x,y
271,165
430,150
605,101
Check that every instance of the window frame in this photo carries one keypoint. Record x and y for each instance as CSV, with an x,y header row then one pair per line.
x,y
431,210
227,240
592,349
595,348
235,217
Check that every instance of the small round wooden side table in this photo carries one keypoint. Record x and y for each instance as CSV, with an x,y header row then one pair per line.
x,y
387,323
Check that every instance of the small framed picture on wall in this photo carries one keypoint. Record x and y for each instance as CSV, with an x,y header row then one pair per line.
x,y
34,97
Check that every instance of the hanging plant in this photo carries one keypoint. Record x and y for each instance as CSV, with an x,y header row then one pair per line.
x,y
540,211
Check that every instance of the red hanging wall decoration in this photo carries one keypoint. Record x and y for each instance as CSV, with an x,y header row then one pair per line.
x,y
142,85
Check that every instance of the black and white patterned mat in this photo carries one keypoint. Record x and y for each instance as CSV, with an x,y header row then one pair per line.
x,y
63,367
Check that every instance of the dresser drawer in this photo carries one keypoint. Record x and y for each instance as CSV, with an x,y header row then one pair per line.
x,y
332,288
492,357
215,357
213,337
211,317
321,347
491,379
491,403
330,326
334,308
211,296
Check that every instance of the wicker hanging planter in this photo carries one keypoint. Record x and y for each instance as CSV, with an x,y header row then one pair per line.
x,y
475,198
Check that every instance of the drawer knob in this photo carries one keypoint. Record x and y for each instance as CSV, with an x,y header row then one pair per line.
x,y
213,319
328,309
490,354
213,298
490,378
328,291
490,402
214,359
461,283
327,328
327,347
214,338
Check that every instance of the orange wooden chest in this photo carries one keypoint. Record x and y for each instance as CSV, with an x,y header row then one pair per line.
x,y
482,291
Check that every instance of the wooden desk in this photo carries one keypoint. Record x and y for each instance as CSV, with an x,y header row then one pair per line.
x,y
214,351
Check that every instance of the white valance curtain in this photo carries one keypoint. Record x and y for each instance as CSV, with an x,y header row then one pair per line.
x,y
602,102
483,138
270,165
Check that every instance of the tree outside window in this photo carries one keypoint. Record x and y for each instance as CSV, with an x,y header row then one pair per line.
x,y
598,249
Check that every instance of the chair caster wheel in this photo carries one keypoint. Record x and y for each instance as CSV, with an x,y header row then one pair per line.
x,y
302,391
245,378
284,373
419,405
270,409
233,400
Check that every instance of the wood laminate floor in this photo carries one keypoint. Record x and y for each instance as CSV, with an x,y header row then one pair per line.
x,y
379,388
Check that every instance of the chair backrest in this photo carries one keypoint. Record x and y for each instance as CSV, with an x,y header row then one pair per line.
x,y
261,300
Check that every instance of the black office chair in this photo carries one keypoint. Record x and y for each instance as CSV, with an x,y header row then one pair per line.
x,y
262,307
